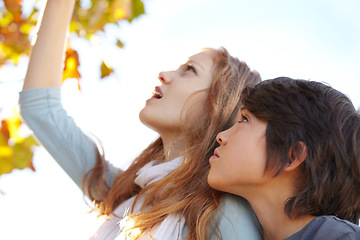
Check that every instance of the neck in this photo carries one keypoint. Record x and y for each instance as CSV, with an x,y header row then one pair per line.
x,y
268,203
173,147
272,215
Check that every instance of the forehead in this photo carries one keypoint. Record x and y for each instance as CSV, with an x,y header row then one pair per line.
x,y
204,58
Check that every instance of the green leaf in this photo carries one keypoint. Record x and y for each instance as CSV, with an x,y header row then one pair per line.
x,y
138,9
23,155
30,141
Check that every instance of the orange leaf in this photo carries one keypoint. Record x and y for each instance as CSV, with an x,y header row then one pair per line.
x,y
14,40
13,5
5,130
13,123
71,65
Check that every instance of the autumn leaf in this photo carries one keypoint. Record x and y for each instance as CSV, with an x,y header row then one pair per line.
x,y
14,32
106,70
4,130
71,67
119,44
18,156
13,123
23,154
13,5
122,9
138,9
16,152
15,27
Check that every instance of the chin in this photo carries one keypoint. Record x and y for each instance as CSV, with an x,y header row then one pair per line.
x,y
217,181
142,114
212,182
147,118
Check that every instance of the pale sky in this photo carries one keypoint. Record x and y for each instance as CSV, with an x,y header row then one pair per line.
x,y
309,39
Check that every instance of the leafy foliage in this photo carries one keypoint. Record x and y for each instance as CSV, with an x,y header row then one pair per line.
x,y
88,20
16,30
16,152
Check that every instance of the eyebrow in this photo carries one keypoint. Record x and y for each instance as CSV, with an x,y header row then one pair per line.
x,y
244,109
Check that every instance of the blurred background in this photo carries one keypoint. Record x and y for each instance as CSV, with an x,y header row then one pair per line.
x,y
116,50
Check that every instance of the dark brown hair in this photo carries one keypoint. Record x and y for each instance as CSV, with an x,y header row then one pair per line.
x,y
327,122
187,191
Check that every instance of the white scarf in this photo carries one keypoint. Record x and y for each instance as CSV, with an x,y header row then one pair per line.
x,y
169,229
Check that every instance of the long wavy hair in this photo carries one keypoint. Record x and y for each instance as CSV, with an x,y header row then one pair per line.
x,y
186,189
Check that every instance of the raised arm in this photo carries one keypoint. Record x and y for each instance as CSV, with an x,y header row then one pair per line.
x,y
40,100
46,59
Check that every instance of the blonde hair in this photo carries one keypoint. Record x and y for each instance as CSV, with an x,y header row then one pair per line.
x,y
196,202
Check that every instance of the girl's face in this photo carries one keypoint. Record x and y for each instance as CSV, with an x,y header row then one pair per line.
x,y
239,162
165,111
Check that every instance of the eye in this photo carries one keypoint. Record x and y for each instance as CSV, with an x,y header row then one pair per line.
x,y
243,119
190,67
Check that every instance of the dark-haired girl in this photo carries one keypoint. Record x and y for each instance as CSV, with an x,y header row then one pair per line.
x,y
294,154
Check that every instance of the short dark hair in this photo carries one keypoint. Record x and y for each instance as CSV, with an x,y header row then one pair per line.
x,y
329,125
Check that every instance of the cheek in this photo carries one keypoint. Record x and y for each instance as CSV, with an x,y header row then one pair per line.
x,y
192,109
241,164
225,171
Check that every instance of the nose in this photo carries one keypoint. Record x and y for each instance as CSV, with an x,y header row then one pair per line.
x,y
222,137
165,77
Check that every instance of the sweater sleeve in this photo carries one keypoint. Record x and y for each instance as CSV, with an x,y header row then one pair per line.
x,y
237,220
73,150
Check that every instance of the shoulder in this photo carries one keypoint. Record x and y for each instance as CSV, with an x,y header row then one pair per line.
x,y
328,227
236,219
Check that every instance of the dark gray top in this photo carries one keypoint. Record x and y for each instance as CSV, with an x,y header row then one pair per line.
x,y
328,228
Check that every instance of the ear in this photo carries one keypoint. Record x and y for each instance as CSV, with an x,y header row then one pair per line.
x,y
297,154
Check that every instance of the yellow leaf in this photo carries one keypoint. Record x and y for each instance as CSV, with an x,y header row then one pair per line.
x,y
26,28
119,13
6,19
106,70
119,44
121,9
18,156
5,152
13,124
5,165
